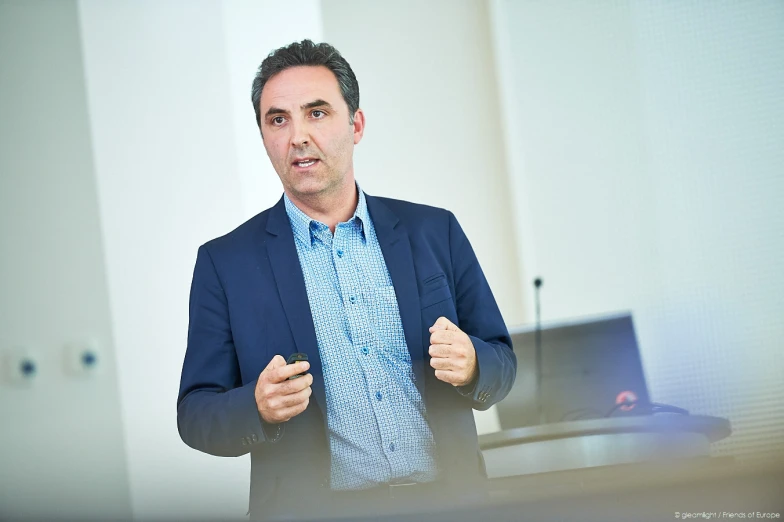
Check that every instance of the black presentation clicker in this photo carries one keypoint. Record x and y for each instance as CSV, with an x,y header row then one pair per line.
x,y
296,357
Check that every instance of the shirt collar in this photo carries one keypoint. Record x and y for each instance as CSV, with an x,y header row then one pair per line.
x,y
304,226
361,213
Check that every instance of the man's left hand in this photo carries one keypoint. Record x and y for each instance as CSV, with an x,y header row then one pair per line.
x,y
452,353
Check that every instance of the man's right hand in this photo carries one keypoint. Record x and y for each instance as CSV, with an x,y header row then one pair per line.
x,y
279,399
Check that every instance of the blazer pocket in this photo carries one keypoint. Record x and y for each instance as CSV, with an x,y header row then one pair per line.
x,y
434,290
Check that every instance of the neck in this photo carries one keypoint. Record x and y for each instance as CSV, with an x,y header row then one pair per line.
x,y
332,208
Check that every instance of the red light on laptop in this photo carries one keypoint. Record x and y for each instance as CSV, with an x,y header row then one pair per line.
x,y
626,396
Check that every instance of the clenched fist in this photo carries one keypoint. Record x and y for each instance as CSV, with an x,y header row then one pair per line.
x,y
452,353
278,398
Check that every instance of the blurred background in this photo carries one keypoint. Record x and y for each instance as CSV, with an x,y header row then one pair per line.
x,y
630,153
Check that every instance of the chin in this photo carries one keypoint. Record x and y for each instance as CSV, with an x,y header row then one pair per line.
x,y
312,187
309,189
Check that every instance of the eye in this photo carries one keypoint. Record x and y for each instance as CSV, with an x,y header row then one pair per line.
x,y
318,114
278,120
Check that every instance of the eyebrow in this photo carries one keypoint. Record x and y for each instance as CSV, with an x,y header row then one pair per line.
x,y
309,105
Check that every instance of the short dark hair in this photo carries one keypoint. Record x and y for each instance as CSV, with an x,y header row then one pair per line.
x,y
307,53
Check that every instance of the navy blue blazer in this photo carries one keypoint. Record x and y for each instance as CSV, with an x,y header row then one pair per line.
x,y
248,303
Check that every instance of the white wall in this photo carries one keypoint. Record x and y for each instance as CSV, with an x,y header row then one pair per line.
x,y
178,162
711,77
61,439
651,180
428,90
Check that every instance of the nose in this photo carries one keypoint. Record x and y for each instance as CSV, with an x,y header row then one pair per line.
x,y
300,136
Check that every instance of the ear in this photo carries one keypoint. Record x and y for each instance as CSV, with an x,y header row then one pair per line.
x,y
359,125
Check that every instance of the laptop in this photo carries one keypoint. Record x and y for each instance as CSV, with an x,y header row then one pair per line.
x,y
591,368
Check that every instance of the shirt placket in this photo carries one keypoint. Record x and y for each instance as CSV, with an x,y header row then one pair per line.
x,y
359,313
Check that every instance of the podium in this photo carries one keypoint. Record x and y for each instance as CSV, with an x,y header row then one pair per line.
x,y
591,443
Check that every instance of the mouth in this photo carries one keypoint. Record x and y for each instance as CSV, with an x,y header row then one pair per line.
x,y
304,163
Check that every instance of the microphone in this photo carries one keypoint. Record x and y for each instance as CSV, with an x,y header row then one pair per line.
x,y
538,348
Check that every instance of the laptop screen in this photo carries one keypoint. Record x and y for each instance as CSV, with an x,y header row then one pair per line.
x,y
588,367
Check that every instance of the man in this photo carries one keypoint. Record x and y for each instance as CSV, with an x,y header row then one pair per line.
x,y
386,298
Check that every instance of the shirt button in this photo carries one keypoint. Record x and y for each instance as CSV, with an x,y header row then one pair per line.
x,y
365,350
378,395
340,253
391,446
352,299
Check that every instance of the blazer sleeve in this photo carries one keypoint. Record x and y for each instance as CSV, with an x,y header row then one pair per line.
x,y
480,318
216,414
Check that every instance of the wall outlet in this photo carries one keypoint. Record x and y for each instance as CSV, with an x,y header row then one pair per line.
x,y
82,360
21,367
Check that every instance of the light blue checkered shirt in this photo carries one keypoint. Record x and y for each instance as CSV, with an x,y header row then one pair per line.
x,y
376,418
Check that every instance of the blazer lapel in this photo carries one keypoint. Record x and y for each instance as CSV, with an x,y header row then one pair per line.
x,y
283,257
396,248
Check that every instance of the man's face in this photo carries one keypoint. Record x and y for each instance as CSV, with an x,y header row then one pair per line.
x,y
306,131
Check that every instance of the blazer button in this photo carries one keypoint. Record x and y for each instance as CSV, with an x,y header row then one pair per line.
x,y
254,438
244,441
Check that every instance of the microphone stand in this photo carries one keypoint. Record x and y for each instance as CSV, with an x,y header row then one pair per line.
x,y
538,348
